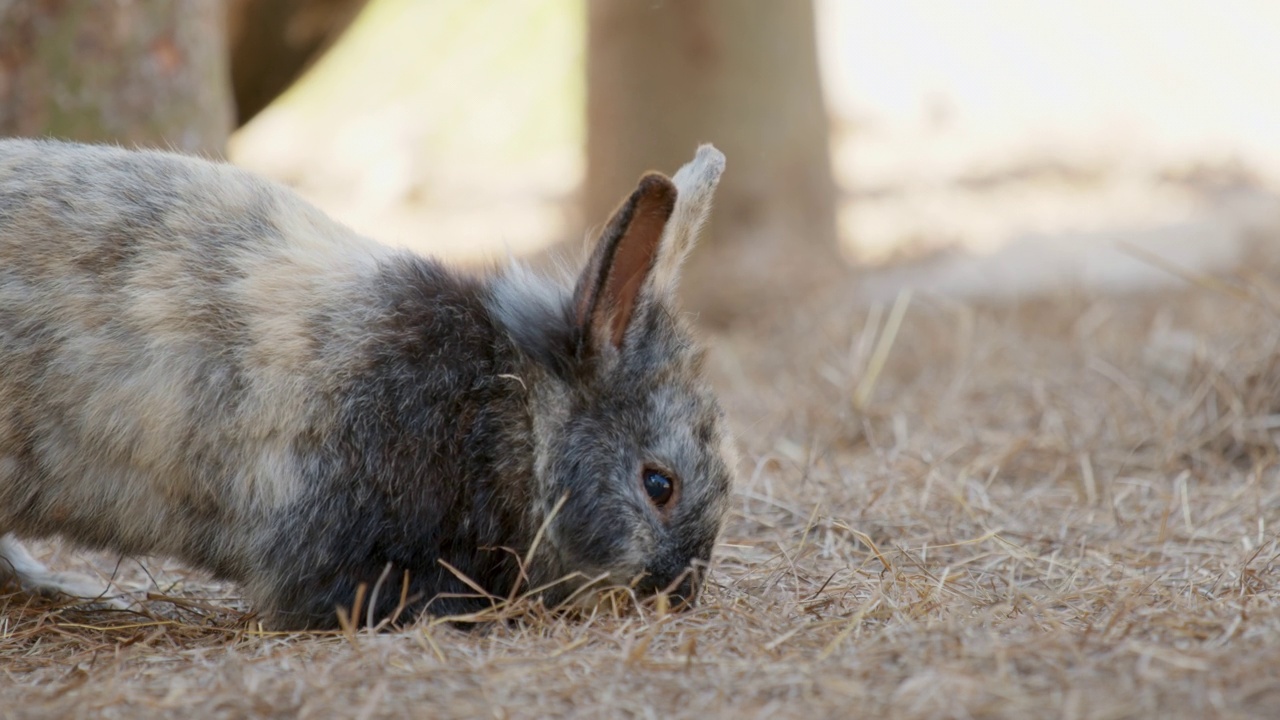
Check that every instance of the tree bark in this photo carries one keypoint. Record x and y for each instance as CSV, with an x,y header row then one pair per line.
x,y
136,72
743,74
274,41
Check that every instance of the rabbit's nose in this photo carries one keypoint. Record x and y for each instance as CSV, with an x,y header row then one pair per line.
x,y
685,592
681,588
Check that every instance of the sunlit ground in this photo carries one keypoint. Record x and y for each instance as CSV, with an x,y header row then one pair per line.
x,y
1046,140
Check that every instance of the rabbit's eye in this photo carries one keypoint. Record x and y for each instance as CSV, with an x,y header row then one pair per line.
x,y
659,487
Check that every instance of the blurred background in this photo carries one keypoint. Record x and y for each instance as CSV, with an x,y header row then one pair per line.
x,y
995,147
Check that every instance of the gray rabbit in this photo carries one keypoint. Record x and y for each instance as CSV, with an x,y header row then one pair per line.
x,y
196,363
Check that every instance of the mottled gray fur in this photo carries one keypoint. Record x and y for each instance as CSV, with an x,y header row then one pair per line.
x,y
196,363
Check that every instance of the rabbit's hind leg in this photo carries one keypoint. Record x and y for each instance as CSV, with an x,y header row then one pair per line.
x,y
18,565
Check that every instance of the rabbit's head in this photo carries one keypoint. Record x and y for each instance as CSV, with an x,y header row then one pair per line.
x,y
633,465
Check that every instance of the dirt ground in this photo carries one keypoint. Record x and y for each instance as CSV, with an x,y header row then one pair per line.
x,y
1058,506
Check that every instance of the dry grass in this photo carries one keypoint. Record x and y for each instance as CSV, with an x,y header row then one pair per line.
x,y
1061,507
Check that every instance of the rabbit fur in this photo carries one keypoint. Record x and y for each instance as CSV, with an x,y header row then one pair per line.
x,y
196,363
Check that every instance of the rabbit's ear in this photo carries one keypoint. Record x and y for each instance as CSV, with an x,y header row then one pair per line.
x,y
607,294
695,186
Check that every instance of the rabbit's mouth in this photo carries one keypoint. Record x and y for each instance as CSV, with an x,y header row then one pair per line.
x,y
681,590
677,591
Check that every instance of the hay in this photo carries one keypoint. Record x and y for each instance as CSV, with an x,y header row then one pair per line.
x,y
1058,507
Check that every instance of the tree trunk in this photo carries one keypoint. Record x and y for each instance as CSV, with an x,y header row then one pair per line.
x,y
742,74
140,72
274,41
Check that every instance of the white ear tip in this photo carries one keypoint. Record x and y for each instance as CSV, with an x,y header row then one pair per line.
x,y
702,171
709,158
708,162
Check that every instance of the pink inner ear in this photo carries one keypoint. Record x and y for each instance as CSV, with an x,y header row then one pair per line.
x,y
655,200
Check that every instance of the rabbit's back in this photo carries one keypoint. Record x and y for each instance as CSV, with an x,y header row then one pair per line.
x,y
170,331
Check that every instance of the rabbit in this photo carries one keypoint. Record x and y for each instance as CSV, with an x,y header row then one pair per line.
x,y
196,363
